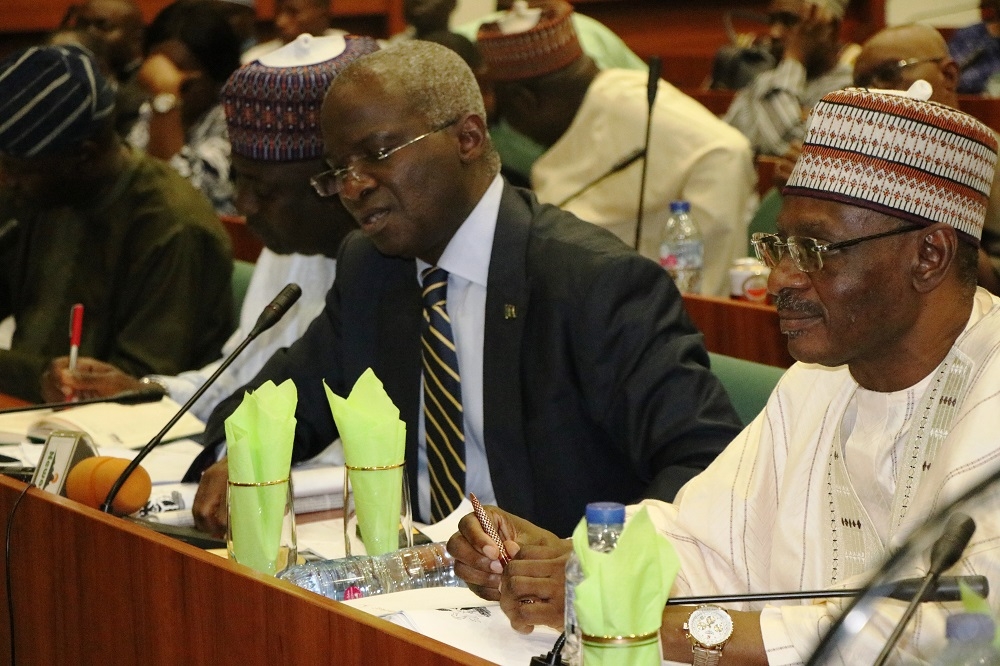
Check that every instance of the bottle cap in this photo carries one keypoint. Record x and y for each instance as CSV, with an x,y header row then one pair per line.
x,y
680,207
963,627
605,513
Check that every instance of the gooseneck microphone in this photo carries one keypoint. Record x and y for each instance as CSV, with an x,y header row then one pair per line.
x,y
148,394
945,588
620,165
944,553
274,311
652,85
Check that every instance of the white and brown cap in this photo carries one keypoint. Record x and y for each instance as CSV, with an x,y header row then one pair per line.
x,y
514,50
900,155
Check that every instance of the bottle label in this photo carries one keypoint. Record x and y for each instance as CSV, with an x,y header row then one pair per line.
x,y
681,255
353,592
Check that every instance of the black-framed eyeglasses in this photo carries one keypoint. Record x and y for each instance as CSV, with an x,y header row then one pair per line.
x,y
807,253
889,74
329,183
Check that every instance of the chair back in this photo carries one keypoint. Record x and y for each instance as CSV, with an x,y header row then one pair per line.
x,y
748,384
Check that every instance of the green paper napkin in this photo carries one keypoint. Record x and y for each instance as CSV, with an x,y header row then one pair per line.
x,y
623,592
259,437
373,436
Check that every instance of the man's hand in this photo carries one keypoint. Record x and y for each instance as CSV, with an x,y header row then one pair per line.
x,y
530,588
812,35
92,379
159,74
211,513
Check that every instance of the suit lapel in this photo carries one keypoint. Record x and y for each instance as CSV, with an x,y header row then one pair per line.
x,y
506,308
397,354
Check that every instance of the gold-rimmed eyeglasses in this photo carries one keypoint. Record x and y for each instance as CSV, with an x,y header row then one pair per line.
x,y
807,253
329,183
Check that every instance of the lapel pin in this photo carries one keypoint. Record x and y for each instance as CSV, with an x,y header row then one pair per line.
x,y
509,311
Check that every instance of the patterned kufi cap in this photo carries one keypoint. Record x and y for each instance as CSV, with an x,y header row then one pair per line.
x,y
52,99
273,104
514,54
890,152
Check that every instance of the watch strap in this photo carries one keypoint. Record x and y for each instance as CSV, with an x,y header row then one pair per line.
x,y
704,656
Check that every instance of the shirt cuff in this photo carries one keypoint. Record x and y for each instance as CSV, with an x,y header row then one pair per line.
x,y
779,644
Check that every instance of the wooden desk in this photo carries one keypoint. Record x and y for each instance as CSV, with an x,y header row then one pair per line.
x,y
737,328
8,401
93,589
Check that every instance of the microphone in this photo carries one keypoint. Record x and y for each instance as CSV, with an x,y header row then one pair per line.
x,y
620,165
652,85
944,553
90,479
143,395
273,312
276,309
945,588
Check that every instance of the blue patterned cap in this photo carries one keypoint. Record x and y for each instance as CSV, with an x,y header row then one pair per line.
x,y
52,99
272,111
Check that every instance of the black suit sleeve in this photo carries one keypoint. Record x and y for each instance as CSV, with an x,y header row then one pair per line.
x,y
646,375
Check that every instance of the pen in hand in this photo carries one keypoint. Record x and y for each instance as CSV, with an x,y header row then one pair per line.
x,y
75,331
488,527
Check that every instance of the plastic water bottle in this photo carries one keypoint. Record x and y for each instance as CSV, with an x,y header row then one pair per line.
x,y
605,521
412,568
682,252
970,641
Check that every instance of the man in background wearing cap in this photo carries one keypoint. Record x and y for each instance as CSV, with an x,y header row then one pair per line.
x,y
590,119
517,151
272,113
805,39
578,374
85,220
889,414
897,57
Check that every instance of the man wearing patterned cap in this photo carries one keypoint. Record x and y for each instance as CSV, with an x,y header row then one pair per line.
x,y
272,111
590,119
889,414
85,220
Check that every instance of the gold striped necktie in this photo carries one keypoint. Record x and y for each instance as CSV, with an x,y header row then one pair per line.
x,y
443,418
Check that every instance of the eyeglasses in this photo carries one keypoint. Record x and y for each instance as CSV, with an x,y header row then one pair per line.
x,y
329,183
807,253
889,74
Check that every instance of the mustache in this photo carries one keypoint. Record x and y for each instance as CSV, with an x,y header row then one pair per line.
x,y
786,301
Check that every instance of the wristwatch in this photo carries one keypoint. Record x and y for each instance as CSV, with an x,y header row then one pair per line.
x,y
708,628
163,102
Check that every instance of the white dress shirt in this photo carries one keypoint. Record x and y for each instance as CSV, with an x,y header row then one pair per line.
x,y
467,260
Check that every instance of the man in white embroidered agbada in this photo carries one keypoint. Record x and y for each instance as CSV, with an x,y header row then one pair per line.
x,y
890,413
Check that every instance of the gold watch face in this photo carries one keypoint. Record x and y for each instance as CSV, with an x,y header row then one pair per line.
x,y
710,626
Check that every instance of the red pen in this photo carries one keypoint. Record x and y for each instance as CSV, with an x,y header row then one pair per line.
x,y
75,331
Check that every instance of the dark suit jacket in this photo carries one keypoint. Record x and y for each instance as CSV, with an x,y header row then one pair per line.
x,y
595,382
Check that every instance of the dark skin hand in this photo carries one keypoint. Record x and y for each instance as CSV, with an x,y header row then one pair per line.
x,y
92,379
211,511
531,587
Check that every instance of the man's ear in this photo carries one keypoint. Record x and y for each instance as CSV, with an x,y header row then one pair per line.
x,y
472,134
951,72
936,252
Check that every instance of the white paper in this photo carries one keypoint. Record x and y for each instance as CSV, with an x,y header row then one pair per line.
x,y
457,617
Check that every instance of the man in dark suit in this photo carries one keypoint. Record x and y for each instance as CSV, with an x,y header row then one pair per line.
x,y
580,375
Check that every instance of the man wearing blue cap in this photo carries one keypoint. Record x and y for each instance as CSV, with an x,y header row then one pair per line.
x,y
85,220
